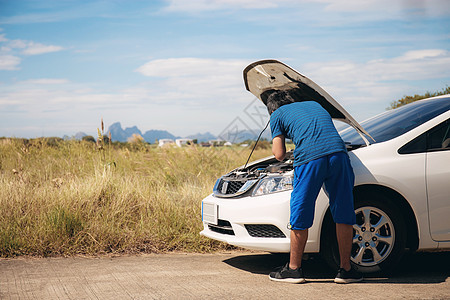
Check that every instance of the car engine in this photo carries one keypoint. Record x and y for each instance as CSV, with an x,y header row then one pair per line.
x,y
243,180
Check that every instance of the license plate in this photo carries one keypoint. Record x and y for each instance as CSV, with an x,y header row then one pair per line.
x,y
209,213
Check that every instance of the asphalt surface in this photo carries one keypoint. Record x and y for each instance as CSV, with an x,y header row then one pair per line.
x,y
236,275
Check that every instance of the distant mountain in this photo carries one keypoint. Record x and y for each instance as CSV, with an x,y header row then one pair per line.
x,y
78,136
132,130
150,136
202,137
244,135
122,135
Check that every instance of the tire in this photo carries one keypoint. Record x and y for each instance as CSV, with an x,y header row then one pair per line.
x,y
379,236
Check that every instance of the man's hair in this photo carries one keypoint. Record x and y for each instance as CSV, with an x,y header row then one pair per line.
x,y
278,99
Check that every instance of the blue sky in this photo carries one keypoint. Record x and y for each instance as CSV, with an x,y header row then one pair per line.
x,y
177,65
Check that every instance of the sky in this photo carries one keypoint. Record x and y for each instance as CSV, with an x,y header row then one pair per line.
x,y
177,65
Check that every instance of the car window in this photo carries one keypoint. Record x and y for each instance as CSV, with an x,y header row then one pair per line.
x,y
439,137
396,122
435,139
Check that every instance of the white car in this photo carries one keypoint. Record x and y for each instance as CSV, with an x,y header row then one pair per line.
x,y
401,161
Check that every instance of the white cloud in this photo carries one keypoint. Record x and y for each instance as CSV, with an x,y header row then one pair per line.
x,y
194,82
28,47
206,5
416,55
17,44
376,83
37,48
10,50
412,65
413,7
32,98
46,81
195,79
9,62
181,67
375,8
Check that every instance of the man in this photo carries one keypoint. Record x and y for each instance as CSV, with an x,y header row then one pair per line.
x,y
320,158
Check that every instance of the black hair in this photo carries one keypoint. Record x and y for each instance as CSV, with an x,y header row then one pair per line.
x,y
278,99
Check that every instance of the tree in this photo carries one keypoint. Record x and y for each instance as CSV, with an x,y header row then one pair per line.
x,y
88,138
409,99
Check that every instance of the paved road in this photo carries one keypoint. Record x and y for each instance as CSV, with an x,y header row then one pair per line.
x,y
237,275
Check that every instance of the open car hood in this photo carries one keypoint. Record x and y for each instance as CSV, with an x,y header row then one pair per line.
x,y
266,76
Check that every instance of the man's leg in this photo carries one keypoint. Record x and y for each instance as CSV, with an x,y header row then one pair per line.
x,y
292,271
344,234
339,185
298,242
308,180
306,187
346,273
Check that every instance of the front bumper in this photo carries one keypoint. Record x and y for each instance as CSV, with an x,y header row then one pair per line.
x,y
243,215
233,219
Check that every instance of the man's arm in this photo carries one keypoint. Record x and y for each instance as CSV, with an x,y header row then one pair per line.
x,y
278,147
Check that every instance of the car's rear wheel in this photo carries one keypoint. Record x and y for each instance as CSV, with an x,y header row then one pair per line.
x,y
379,236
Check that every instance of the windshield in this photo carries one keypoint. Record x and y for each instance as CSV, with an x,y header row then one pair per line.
x,y
398,121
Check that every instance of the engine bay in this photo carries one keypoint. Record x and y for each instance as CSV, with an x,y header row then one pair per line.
x,y
262,167
241,180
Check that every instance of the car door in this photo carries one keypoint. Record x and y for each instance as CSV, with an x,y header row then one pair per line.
x,y
438,180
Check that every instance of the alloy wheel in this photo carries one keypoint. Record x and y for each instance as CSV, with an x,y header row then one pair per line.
x,y
373,236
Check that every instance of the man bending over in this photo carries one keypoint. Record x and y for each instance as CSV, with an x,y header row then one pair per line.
x,y
320,158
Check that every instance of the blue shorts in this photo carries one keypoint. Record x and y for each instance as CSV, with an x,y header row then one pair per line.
x,y
335,173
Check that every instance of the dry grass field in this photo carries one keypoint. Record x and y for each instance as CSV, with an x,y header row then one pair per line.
x,y
61,198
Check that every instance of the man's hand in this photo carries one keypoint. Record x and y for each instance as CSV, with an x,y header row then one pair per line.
x,y
278,147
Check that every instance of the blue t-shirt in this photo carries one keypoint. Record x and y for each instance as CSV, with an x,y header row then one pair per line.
x,y
311,129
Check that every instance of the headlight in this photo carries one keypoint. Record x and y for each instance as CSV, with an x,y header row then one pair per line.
x,y
229,188
275,184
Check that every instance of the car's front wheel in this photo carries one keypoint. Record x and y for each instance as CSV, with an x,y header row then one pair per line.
x,y
379,236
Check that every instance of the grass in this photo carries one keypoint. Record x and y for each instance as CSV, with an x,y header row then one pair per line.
x,y
62,198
